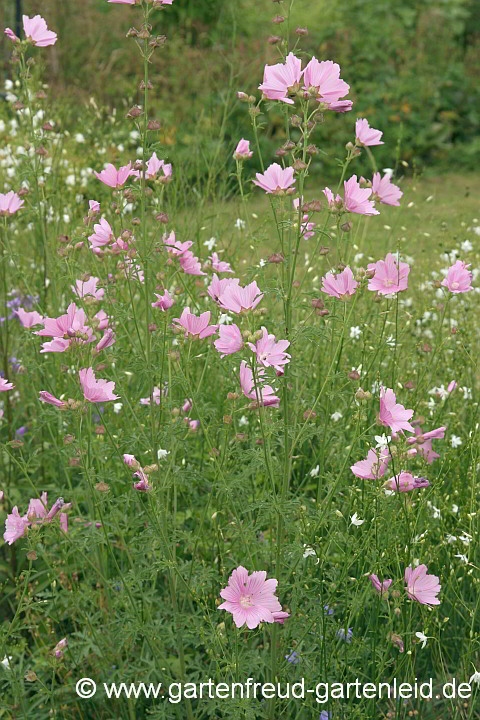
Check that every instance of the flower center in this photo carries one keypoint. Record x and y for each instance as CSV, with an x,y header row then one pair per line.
x,y
246,601
455,285
388,283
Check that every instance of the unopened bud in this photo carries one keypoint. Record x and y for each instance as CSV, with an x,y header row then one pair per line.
x,y
301,31
309,415
232,396
276,258
318,303
312,206
299,165
243,97
346,226
274,40
312,150
134,112
227,419
278,19
296,120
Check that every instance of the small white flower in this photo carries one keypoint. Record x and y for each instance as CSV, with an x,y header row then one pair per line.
x,y
466,246
357,257
225,319
262,262
117,407
240,224
463,558
5,662
466,539
80,138
310,552
355,332
210,244
475,678
455,508
336,416
315,472
162,454
356,520
476,230
243,420
382,441
451,538
422,637
467,393
455,441
391,342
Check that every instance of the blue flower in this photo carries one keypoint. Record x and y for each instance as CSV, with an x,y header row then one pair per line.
x,y
347,637
293,658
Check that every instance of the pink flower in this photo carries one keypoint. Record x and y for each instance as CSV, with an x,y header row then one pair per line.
x,y
422,587
334,203
88,287
280,617
131,461
102,234
47,397
266,394
66,329
306,227
451,386
282,79
217,287
190,264
93,207
153,166
392,414
380,587
163,301
9,203
250,598
175,247
322,79
15,526
102,319
196,327
405,482
243,151
275,180
59,648
114,178
356,198
230,340
10,34
389,278
365,135
270,353
340,106
36,31
238,299
339,285
220,265
107,341
56,345
374,466
387,192
187,405
96,390
424,442
459,279
29,319
122,2
5,385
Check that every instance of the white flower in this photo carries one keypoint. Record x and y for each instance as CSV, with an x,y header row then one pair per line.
x,y
463,558
466,539
355,332
80,138
243,420
476,230
210,244
357,257
315,471
466,246
455,441
455,508
467,393
475,678
382,441
310,552
422,637
5,662
262,262
225,319
117,407
356,521
451,538
391,342
240,224
162,454
336,416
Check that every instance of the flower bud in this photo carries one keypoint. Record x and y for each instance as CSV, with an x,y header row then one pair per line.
x,y
301,31
278,19
243,97
274,40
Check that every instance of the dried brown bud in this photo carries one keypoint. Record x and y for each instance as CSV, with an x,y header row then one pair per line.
x,y
312,150
276,258
296,120
142,85
354,375
41,95
32,555
227,419
280,152
134,112
312,206
99,429
102,487
299,165
154,125
41,151
162,217
274,40
323,313
278,19
47,126
346,226
18,105
323,250
309,415
301,31
318,303
232,396
133,32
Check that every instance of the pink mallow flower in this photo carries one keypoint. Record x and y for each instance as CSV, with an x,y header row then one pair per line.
x,y
380,587
322,79
114,178
389,277
374,466
96,390
88,287
423,442
190,264
9,203
459,279
29,319
405,482
266,394
392,414
306,226
242,151
219,265
5,385
217,287
385,191
102,234
356,198
334,202
250,598
16,525
164,302
276,180
365,135
282,79
196,327
340,285
239,299
270,353
47,397
230,340
422,587
122,2
36,32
